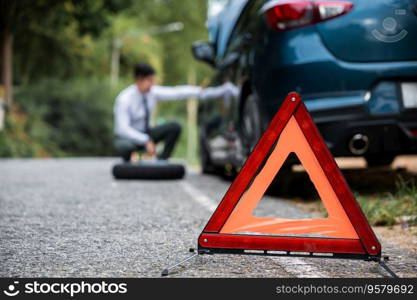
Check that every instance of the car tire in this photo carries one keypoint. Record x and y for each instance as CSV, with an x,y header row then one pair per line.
x,y
155,170
251,126
379,160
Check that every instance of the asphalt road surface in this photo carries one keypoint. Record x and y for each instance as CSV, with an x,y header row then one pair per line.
x,y
70,218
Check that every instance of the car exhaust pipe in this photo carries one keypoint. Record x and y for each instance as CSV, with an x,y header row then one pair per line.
x,y
359,144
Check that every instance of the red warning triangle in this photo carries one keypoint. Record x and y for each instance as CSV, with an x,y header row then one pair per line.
x,y
344,231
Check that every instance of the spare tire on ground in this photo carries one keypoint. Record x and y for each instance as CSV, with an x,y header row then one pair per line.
x,y
154,170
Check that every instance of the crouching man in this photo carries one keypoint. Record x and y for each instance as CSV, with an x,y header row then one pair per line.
x,y
132,111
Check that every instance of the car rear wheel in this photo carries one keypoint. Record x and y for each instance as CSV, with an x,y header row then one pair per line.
x,y
379,160
250,129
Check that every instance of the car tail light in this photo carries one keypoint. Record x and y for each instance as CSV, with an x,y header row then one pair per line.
x,y
285,15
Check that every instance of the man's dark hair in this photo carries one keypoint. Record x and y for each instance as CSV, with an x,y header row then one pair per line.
x,y
143,70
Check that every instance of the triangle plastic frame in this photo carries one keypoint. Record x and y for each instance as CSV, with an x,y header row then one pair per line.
x,y
211,240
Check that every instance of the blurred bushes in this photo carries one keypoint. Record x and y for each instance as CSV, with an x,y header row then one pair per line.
x,y
14,139
60,118
60,45
57,118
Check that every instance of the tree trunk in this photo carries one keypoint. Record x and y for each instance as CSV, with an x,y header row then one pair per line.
x,y
7,70
192,107
115,61
6,74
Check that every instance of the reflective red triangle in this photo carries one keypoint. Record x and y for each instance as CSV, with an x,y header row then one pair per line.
x,y
346,230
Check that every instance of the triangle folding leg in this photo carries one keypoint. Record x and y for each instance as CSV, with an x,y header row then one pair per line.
x,y
233,228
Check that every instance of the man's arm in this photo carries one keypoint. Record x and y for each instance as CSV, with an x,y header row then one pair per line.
x,y
165,93
226,89
122,124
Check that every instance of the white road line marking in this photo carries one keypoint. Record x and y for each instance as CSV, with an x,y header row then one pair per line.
x,y
199,197
292,265
299,268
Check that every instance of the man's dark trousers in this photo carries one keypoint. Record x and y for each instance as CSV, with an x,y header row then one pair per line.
x,y
167,133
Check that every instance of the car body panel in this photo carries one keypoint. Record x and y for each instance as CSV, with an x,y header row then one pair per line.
x,y
360,94
385,30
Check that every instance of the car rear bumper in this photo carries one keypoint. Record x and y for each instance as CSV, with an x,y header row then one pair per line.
x,y
379,117
384,135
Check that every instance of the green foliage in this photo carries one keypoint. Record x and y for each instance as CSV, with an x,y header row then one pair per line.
x,y
75,38
73,118
14,140
55,37
72,41
67,117
386,209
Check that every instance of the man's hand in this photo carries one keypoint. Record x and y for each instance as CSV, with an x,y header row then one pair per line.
x,y
150,147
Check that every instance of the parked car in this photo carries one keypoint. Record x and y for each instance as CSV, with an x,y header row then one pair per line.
x,y
353,62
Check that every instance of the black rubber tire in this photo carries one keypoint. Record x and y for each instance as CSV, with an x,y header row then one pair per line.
x,y
156,170
379,160
251,127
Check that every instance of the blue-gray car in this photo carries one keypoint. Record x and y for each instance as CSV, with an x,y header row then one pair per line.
x,y
353,62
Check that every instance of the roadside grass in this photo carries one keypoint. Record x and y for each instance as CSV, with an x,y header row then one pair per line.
x,y
392,208
397,206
